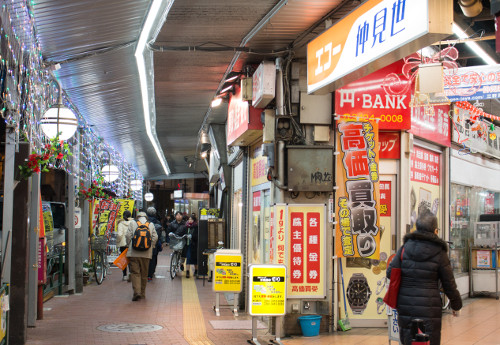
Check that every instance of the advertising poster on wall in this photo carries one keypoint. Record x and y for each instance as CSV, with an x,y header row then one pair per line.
x,y
280,220
357,197
306,247
256,233
259,166
425,181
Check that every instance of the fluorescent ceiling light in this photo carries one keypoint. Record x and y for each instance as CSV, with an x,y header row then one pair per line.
x,y
226,89
153,14
473,45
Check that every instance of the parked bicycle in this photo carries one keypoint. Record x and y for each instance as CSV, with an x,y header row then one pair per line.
x,y
99,246
176,243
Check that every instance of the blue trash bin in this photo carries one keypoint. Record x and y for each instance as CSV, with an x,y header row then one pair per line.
x,y
310,325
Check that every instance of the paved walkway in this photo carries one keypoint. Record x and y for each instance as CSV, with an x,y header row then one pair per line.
x,y
183,308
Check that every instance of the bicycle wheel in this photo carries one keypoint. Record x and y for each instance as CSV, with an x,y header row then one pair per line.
x,y
105,265
99,267
174,262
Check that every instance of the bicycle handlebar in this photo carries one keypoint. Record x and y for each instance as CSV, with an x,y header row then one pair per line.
x,y
171,234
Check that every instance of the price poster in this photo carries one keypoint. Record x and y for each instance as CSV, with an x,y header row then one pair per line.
x,y
267,290
227,273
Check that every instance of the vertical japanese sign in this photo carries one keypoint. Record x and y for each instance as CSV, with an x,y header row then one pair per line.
x,y
280,219
272,238
425,183
259,166
385,198
306,260
227,273
357,197
125,205
267,290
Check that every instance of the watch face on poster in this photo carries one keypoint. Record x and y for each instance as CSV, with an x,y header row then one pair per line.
x,y
358,293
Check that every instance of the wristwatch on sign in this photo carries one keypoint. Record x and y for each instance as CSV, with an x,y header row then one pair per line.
x,y
358,293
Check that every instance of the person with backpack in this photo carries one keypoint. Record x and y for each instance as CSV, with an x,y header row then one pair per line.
x,y
151,212
141,239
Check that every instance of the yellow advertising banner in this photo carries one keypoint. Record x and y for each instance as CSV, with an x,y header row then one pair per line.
x,y
104,216
306,247
267,290
47,218
227,273
125,205
259,166
357,197
3,320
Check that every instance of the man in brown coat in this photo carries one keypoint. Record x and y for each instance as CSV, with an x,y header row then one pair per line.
x,y
139,260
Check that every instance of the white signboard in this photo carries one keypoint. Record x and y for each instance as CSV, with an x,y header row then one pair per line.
x,y
78,217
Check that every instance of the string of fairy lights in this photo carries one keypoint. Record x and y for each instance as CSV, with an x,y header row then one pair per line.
x,y
28,90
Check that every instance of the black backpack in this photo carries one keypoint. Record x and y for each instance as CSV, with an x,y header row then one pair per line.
x,y
142,237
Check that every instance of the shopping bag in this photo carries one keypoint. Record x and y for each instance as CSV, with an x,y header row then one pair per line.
x,y
122,260
391,296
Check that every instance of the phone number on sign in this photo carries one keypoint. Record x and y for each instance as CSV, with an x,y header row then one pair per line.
x,y
373,117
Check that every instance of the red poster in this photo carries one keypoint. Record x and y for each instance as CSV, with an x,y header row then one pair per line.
x,y
389,145
256,201
385,198
313,247
432,123
489,204
241,118
384,95
424,166
297,248
42,261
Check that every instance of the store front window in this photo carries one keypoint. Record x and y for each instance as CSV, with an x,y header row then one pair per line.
x,y
467,205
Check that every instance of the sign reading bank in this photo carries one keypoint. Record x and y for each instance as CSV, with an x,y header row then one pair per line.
x,y
368,34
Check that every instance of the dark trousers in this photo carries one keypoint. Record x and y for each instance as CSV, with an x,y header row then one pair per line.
x,y
122,249
152,264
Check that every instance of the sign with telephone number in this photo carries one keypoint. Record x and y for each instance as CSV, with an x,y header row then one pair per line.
x,y
267,290
227,273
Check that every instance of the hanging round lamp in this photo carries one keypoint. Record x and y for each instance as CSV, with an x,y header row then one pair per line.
x,y
110,173
61,120
148,197
136,185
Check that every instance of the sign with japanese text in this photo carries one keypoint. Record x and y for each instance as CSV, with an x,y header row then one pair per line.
x,y
256,201
369,33
477,136
47,218
267,290
280,226
306,259
382,95
385,198
272,237
389,145
125,205
472,83
242,120
227,273
259,166
432,123
357,197
107,211
42,261
424,166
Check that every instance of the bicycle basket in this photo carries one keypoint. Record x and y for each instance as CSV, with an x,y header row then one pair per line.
x,y
177,244
99,243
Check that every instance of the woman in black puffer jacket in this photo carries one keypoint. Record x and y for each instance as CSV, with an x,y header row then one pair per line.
x,y
425,263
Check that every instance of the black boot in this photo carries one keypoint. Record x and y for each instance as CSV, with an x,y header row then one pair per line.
x,y
187,274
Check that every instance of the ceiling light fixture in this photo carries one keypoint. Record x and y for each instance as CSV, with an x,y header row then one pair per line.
x,y
148,196
216,102
229,88
154,14
457,30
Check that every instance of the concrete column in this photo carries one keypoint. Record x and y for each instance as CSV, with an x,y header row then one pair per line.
x,y
19,257
70,234
8,202
34,206
78,232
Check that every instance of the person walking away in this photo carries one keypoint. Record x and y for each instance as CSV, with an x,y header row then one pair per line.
x,y
192,245
178,227
141,239
121,235
424,263
151,212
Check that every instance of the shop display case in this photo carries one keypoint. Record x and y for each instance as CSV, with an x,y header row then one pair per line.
x,y
460,228
486,233
484,271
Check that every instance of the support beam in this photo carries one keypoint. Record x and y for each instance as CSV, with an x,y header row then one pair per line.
x,y
19,275
8,202
34,206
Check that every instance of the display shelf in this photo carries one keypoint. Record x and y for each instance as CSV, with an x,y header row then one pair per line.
x,y
486,275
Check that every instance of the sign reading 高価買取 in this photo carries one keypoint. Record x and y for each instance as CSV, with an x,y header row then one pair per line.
x,y
357,198
267,294
227,273
371,32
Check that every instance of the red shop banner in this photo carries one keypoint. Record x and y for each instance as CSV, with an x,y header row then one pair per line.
x,y
256,201
306,247
389,145
424,166
384,95
432,123
357,196
385,198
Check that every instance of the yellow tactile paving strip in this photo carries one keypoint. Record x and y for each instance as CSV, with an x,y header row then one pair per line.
x,y
195,332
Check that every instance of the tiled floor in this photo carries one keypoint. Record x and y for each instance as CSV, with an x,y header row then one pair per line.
x,y
183,307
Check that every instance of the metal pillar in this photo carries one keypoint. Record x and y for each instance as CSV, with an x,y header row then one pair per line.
x,y
8,202
19,257
70,234
34,206
78,232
